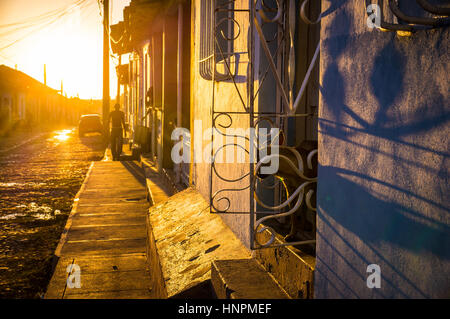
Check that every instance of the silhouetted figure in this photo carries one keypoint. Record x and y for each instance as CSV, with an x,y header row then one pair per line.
x,y
117,119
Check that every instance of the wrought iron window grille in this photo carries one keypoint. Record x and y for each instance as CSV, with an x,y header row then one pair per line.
x,y
433,16
216,16
294,185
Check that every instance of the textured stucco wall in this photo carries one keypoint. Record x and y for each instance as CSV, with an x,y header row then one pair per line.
x,y
226,99
384,159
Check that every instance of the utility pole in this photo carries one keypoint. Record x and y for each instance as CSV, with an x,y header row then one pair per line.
x,y
118,79
45,74
106,101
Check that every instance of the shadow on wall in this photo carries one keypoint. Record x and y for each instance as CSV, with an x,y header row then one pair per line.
x,y
387,85
386,221
410,118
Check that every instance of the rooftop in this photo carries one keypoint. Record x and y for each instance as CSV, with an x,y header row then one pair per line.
x,y
14,80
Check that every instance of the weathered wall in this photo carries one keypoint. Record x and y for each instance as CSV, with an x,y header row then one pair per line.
x,y
226,99
384,159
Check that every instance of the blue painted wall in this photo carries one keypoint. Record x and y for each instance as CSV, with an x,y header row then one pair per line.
x,y
383,191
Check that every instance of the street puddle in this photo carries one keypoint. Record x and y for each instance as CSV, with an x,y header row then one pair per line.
x,y
13,184
9,184
61,136
12,216
43,212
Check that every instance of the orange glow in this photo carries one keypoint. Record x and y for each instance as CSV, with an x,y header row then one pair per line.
x,y
62,135
71,47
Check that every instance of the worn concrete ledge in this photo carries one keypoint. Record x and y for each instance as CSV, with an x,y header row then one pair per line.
x,y
183,240
292,268
244,279
180,232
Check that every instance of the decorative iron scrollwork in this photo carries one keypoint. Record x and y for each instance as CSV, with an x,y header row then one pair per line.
x,y
406,23
297,173
209,26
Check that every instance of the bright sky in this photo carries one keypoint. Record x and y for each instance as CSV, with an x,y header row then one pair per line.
x,y
71,46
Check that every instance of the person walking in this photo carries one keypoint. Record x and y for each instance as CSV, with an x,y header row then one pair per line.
x,y
117,120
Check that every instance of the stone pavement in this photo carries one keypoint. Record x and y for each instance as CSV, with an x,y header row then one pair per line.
x,y
105,236
19,139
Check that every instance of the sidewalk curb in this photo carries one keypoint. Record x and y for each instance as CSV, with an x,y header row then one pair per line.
x,y
111,248
63,238
145,165
73,212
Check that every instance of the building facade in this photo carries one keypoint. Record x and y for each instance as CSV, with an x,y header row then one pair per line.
x,y
23,100
27,103
352,111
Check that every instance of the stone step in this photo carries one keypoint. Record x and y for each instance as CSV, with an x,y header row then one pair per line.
x,y
183,240
244,279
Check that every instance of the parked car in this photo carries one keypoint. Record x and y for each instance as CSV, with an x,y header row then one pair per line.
x,y
90,123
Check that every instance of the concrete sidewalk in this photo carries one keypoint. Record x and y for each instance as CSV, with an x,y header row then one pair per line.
x,y
106,236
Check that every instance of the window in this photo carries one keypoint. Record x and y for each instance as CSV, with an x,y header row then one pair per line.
x,y
216,38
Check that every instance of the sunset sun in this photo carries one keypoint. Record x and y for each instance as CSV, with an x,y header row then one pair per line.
x,y
66,36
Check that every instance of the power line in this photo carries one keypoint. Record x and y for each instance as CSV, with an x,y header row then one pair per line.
x,y
56,14
29,21
100,8
81,4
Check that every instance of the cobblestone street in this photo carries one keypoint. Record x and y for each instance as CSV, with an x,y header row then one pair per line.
x,y
38,181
